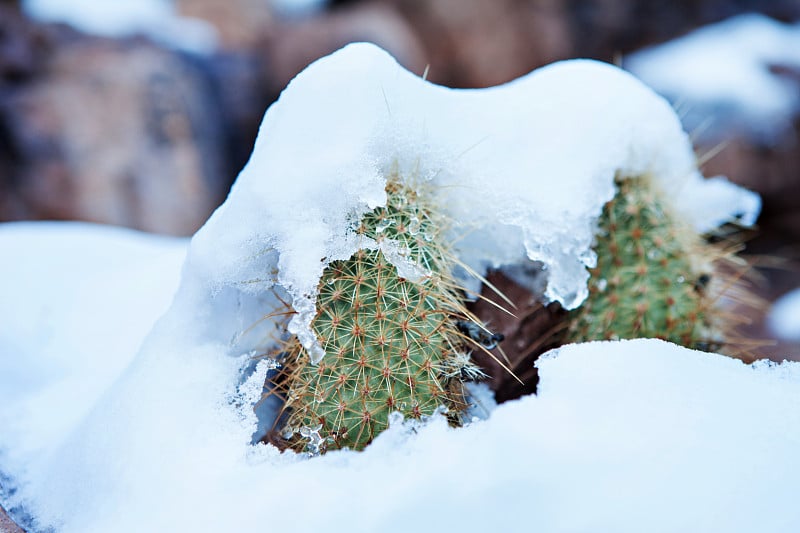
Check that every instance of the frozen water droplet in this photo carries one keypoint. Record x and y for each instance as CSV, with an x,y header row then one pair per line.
x,y
653,254
602,284
427,236
316,443
331,281
395,418
316,352
414,226
402,258
383,224
681,279
271,364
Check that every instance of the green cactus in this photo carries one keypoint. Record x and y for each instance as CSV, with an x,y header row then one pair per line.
x,y
391,344
652,275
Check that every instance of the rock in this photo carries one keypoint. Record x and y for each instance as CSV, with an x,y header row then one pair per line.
x,y
114,131
261,51
292,45
472,43
241,86
530,331
21,44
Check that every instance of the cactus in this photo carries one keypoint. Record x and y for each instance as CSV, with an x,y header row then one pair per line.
x,y
652,277
391,344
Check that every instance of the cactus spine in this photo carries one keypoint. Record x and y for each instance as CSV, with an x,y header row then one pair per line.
x,y
391,344
652,275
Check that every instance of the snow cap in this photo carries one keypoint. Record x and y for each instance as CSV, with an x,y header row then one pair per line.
x,y
521,169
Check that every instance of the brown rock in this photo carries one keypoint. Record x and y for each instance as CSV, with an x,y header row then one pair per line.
x,y
241,24
530,329
121,132
293,45
243,93
473,43
21,44
261,52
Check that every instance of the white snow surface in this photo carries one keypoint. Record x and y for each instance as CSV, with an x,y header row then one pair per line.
x,y
624,436
77,301
522,170
784,317
720,75
122,18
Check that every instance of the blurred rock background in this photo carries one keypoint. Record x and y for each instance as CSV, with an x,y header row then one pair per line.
x,y
147,126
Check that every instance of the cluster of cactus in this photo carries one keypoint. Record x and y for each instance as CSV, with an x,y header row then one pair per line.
x,y
652,277
392,344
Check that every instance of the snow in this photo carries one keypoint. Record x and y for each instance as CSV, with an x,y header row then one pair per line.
x,y
722,72
122,18
624,436
77,301
784,317
635,435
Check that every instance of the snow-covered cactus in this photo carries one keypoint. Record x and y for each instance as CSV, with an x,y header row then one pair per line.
x,y
392,344
652,276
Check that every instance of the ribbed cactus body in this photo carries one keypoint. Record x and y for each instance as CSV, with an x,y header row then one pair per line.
x,y
391,343
651,276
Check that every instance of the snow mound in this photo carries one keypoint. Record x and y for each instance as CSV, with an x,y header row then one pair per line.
x,y
123,18
784,318
77,301
522,170
724,71
637,435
